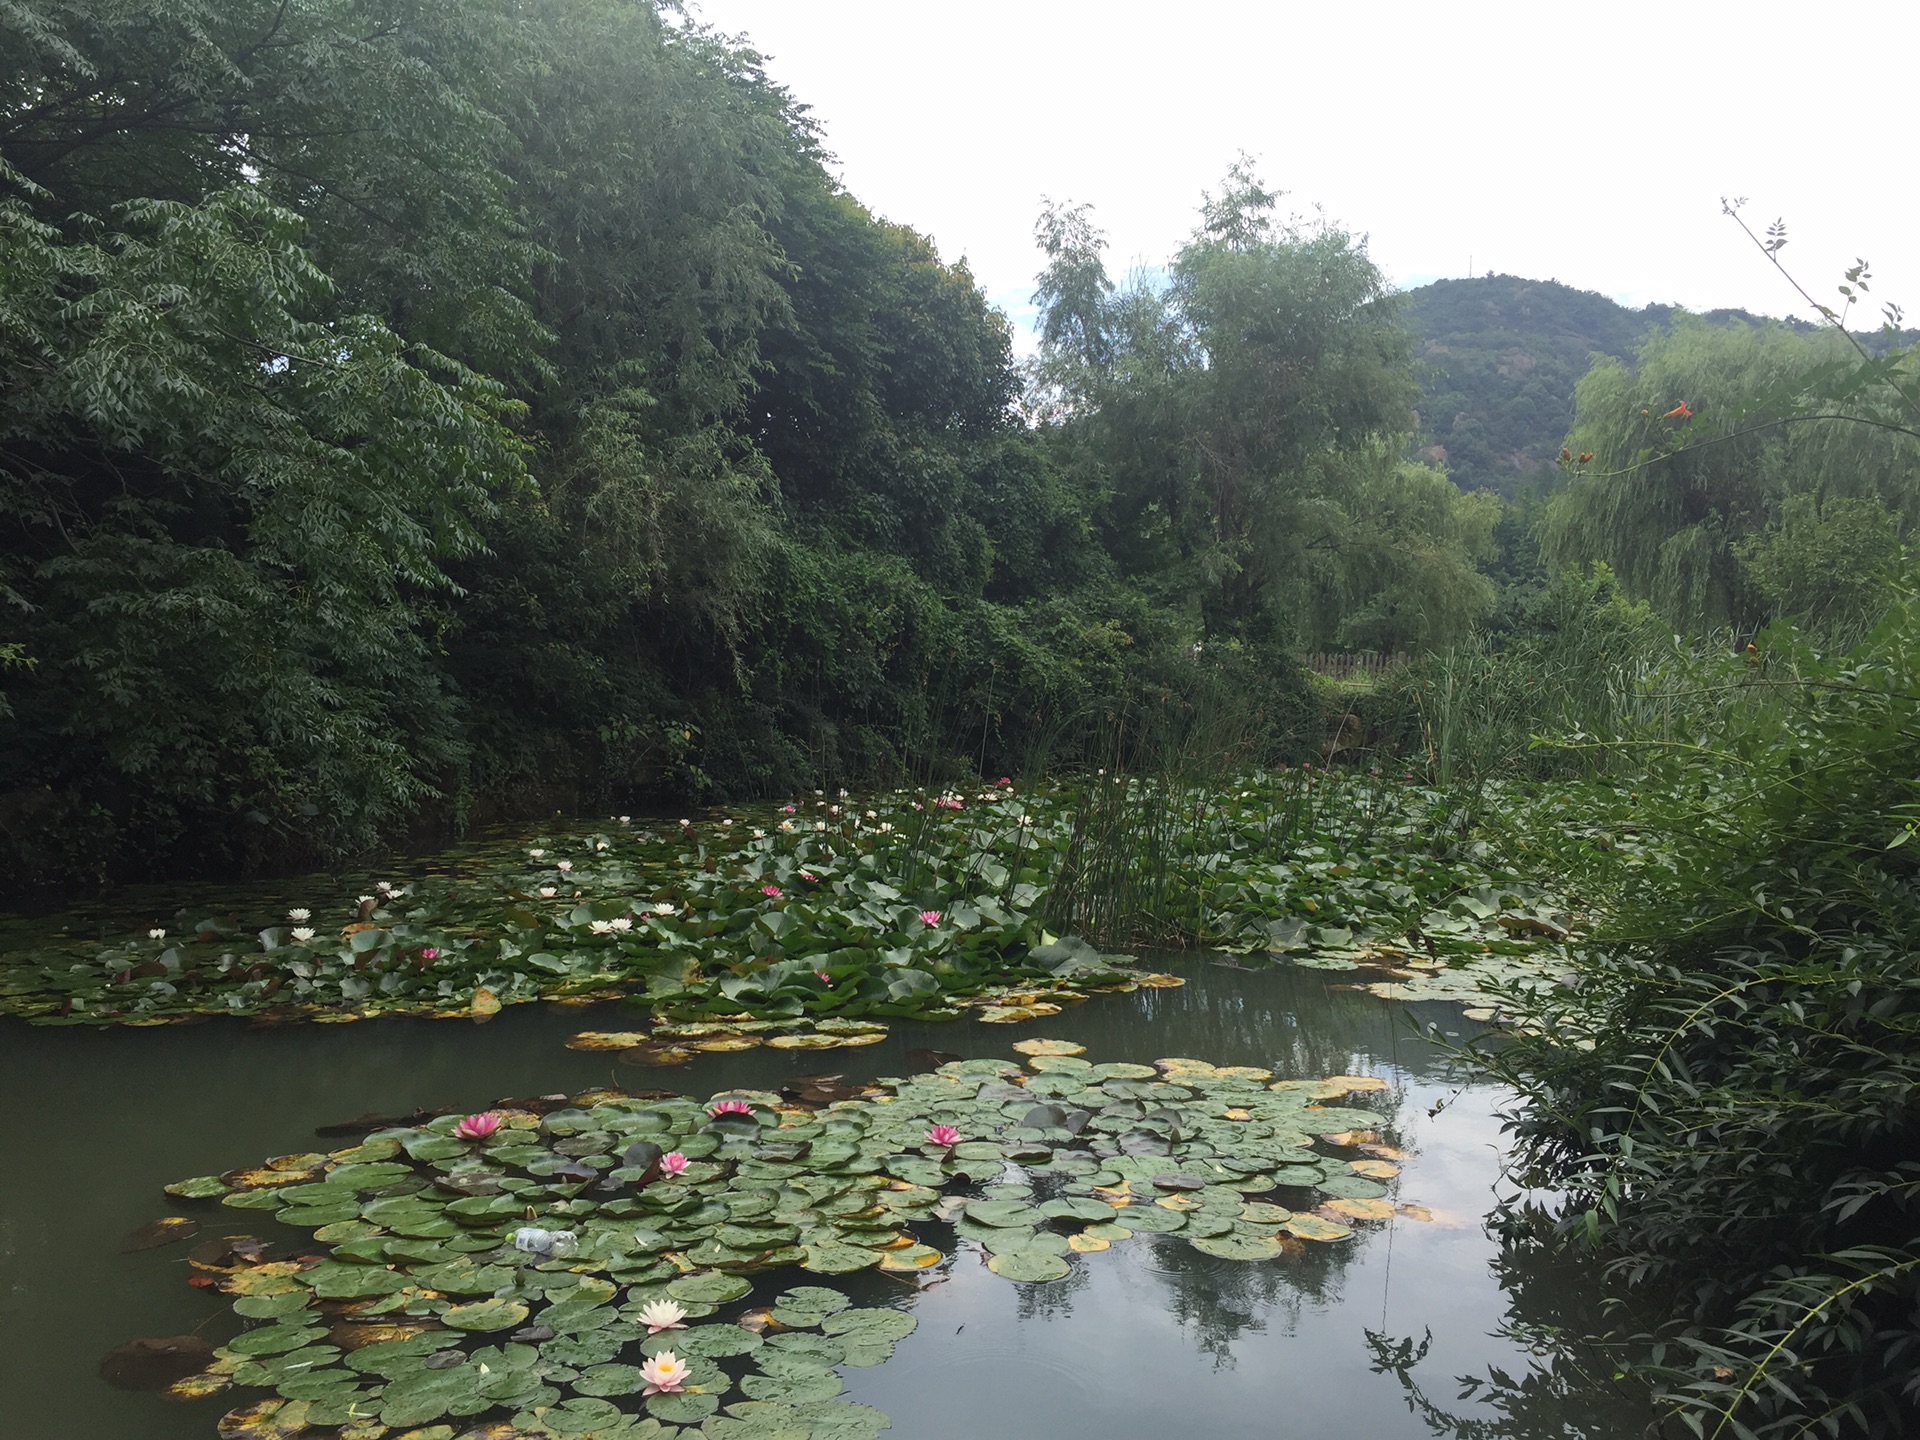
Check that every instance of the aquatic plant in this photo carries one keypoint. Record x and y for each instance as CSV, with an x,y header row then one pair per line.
x,y
525,1277
854,919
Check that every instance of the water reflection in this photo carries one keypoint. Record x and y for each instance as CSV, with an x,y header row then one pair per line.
x,y
1146,1339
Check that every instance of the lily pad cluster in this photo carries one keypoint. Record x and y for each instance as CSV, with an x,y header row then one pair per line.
x,y
895,906
516,1284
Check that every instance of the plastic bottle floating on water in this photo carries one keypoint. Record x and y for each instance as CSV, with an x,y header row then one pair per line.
x,y
536,1241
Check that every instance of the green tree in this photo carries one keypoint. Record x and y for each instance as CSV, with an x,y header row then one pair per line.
x,y
1682,505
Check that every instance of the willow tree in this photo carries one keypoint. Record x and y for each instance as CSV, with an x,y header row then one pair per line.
x,y
1729,468
1243,424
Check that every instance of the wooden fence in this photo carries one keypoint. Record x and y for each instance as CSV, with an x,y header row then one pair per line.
x,y
1364,666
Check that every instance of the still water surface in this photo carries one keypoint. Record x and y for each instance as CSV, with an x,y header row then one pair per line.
x,y
1146,1340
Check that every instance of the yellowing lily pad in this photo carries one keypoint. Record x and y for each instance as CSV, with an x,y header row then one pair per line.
x,y
1312,1227
1049,1047
265,1420
1087,1244
1361,1209
1376,1169
1013,1014
608,1039
726,1044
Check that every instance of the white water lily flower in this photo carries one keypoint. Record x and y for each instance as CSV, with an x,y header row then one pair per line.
x,y
626,819
362,899
601,845
759,834
819,824
726,822
563,866
873,815
547,892
536,854
886,827
663,1315
299,913
601,927
302,934
843,794
786,825
621,922
663,907
833,809
156,934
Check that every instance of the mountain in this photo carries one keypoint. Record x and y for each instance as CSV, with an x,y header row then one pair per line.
x,y
1502,354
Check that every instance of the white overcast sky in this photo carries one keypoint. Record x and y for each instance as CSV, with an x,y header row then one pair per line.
x,y
1587,141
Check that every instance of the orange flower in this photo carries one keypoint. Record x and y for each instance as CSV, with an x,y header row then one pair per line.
x,y
1680,411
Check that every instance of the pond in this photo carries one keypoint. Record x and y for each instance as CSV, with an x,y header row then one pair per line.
x,y
1144,1339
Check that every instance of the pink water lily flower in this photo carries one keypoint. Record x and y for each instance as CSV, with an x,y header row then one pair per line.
x,y
427,952
665,1374
729,1107
929,917
943,1135
773,890
823,978
477,1127
673,1162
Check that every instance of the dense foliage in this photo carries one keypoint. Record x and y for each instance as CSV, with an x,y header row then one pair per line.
x,y
556,430
1739,474
1728,1094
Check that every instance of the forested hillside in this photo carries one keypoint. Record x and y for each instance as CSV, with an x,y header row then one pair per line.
x,y
500,407
1500,356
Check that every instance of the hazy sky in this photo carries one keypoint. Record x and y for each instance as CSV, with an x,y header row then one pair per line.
x,y
1587,142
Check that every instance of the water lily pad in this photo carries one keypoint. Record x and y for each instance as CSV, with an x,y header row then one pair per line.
x,y
1351,1187
1311,1227
871,1326
793,1389
605,1380
1152,1220
1237,1247
1077,1208
199,1187
837,1259
685,1409
486,1315
709,1288
1029,1266
1361,1209
608,1039
1049,1047
1264,1214
265,1420
1015,1213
